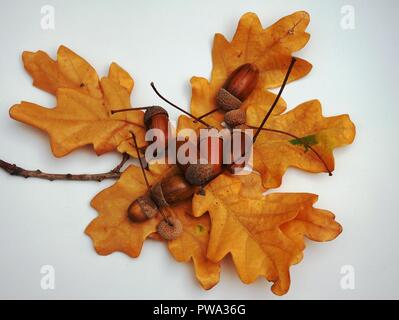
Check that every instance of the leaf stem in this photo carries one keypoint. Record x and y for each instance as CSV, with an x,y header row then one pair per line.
x,y
130,109
177,107
207,114
293,60
305,144
140,161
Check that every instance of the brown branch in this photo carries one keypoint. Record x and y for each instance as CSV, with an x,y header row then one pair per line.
x,y
15,170
125,158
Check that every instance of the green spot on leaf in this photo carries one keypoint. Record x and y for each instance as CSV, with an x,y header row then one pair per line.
x,y
199,229
305,141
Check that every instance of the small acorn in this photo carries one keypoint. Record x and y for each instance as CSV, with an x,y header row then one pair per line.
x,y
170,230
141,209
199,174
234,118
237,87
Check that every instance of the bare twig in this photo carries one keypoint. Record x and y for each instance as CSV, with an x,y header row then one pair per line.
x,y
125,158
15,170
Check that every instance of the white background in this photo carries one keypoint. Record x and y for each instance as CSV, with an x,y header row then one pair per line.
x,y
355,72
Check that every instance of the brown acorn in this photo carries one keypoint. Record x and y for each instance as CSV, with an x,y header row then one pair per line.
x,y
209,165
235,167
171,229
234,118
152,112
171,190
156,117
190,158
237,87
141,209
199,174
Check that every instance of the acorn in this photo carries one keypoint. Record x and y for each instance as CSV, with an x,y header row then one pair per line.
x,y
156,117
152,112
171,229
235,118
171,190
199,174
190,158
237,87
235,167
141,209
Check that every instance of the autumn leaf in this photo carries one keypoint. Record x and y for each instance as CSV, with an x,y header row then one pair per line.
x,y
193,243
263,234
269,49
82,115
306,141
69,71
112,230
275,151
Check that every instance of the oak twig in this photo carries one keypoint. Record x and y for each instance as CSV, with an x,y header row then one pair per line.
x,y
15,170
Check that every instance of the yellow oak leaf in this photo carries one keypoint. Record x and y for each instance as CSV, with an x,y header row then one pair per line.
x,y
193,243
83,112
275,151
112,230
69,71
269,49
259,232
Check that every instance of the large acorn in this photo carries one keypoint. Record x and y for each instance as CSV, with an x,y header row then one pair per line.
x,y
238,86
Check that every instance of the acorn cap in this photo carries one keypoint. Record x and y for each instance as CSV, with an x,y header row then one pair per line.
x,y
199,174
152,111
157,196
234,118
170,230
226,101
141,209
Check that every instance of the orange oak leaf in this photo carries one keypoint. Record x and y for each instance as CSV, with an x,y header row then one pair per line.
x,y
263,234
82,115
269,49
274,151
112,230
193,243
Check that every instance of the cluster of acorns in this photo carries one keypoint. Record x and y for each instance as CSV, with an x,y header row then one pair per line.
x,y
176,188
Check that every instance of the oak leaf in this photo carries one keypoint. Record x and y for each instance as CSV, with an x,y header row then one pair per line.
x,y
269,49
112,230
193,243
84,103
263,234
275,151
